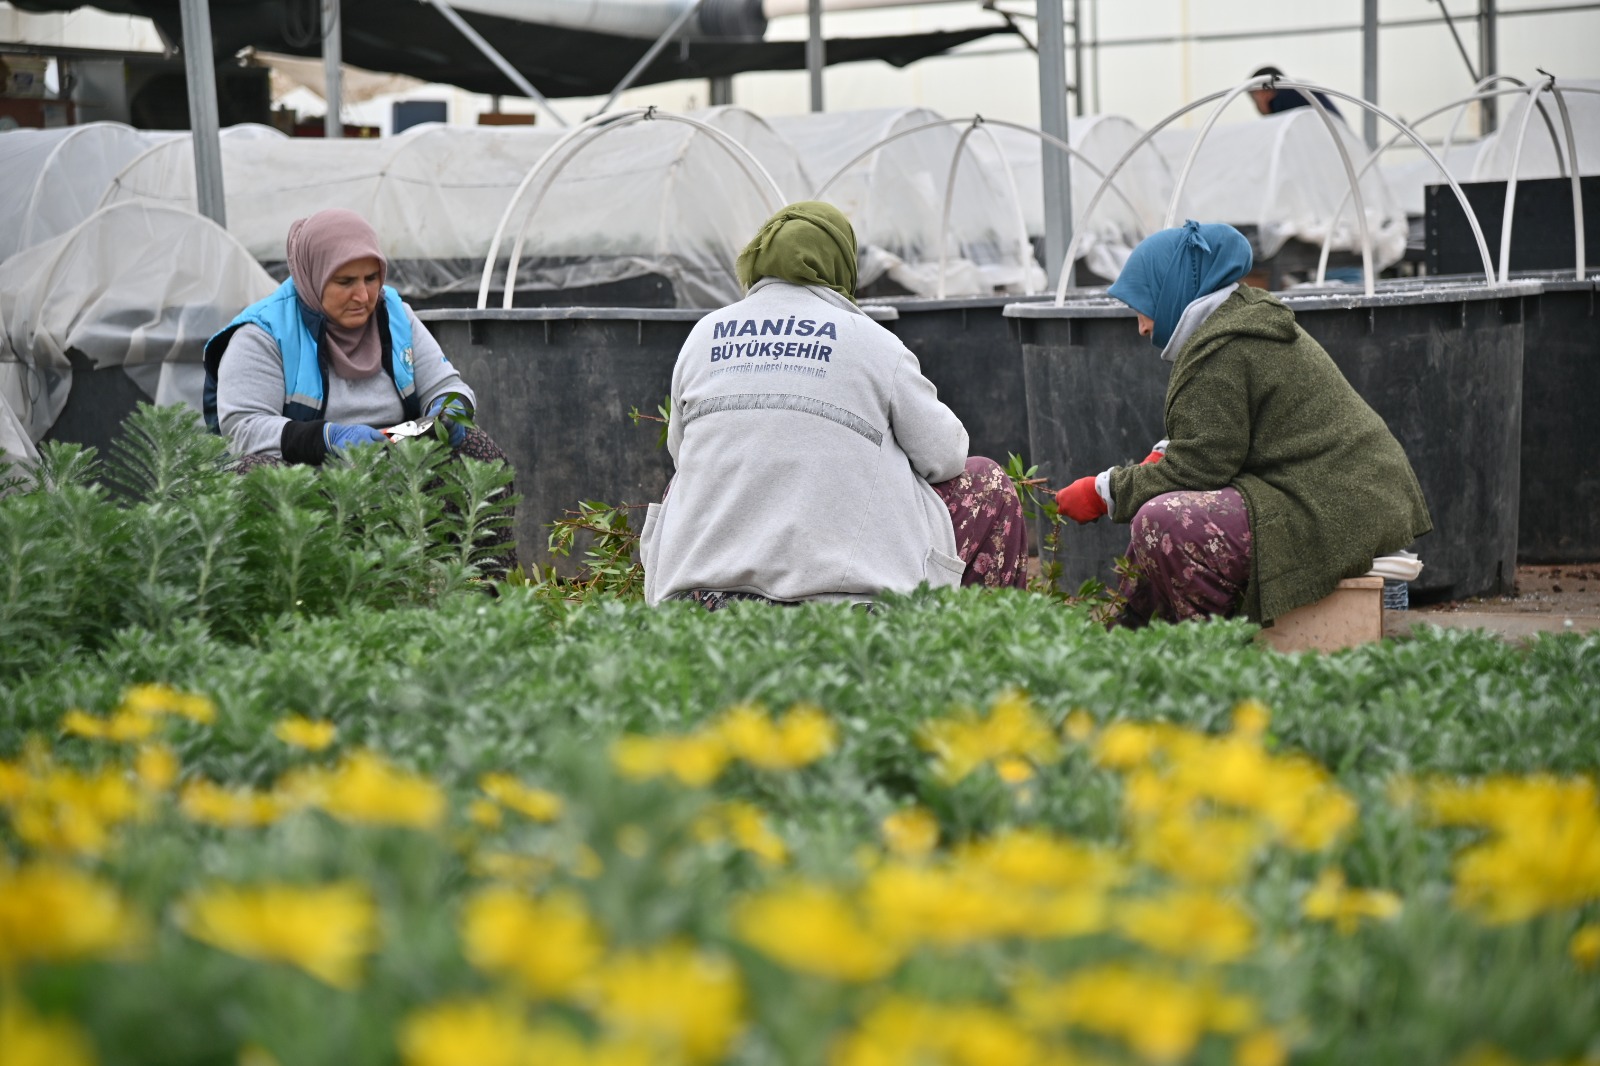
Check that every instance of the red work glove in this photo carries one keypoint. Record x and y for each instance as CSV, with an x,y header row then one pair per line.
x,y
1080,502
1153,457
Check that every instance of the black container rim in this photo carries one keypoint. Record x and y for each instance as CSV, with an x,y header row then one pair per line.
x,y
598,314
1401,293
920,304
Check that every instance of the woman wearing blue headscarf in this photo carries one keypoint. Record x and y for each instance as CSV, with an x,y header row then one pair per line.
x,y
1276,480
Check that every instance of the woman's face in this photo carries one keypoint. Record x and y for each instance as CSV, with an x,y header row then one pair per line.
x,y
1147,325
351,294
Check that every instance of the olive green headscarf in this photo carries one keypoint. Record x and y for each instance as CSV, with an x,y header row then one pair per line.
x,y
806,243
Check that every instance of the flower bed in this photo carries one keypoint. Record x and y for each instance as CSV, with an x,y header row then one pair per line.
x,y
963,828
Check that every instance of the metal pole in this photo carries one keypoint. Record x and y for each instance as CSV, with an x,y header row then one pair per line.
x,y
1488,55
332,59
200,69
649,56
477,41
1077,57
722,91
1369,70
816,54
1053,120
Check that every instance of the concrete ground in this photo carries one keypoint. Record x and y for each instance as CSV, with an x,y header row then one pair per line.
x,y
1548,599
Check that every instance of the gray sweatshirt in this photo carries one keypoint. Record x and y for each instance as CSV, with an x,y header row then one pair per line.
x,y
805,438
250,390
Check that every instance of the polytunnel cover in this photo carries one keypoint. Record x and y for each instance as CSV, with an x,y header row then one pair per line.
x,y
1283,175
140,286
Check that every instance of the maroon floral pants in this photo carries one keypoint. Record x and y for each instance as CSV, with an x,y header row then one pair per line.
x,y
1191,553
991,537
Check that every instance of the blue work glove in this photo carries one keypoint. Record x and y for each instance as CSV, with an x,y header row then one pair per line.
x,y
338,436
451,407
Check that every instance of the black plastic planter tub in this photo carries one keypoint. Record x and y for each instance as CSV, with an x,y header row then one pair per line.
x,y
554,388
1440,361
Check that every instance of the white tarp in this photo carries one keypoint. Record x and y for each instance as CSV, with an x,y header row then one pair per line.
x,y
1493,162
136,285
1119,221
1283,175
656,197
53,179
895,200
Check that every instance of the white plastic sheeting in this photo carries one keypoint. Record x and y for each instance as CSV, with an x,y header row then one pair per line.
x,y
654,198
434,193
1118,224
136,285
1282,175
895,200
1493,161
53,179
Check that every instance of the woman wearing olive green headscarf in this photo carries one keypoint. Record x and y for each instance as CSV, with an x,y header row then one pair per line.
x,y
814,461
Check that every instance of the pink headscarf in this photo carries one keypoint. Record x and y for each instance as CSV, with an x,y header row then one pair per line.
x,y
318,247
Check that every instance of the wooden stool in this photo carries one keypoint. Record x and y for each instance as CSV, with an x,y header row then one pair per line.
x,y
1349,615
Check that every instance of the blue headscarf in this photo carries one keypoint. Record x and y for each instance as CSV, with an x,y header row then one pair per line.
x,y
1171,269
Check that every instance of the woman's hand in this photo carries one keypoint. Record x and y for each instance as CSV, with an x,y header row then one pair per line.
x,y
338,436
450,407
1080,501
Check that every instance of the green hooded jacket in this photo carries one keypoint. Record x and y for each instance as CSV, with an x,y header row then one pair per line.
x,y
1255,403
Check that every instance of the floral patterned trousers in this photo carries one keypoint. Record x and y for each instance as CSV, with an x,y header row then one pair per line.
x,y
991,537
1191,553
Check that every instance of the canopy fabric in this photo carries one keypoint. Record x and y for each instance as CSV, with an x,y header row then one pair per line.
x,y
136,285
1282,175
416,40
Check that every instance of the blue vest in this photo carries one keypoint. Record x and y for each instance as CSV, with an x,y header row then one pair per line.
x,y
305,373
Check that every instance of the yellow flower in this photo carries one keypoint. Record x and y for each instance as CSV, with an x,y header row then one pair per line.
x,y
1200,850
1189,924
551,945
1124,745
298,731
123,728
154,700
1159,1016
213,804
814,929
901,1030
156,767
29,1040
1251,718
508,866
684,1001
533,803
465,1033
256,1055
50,913
1034,858
696,761
747,826
801,737
325,931
1543,852
60,810
1585,946
1330,901
364,789
911,833
1011,730
1263,1048
1079,725
964,904
485,813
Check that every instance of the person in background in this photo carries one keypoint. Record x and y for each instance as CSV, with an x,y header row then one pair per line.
x,y
1272,101
331,358
814,460
1276,481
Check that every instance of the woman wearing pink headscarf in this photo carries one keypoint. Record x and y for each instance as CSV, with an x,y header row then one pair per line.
x,y
331,358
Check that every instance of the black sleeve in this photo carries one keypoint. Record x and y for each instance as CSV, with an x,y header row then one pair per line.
x,y
302,442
